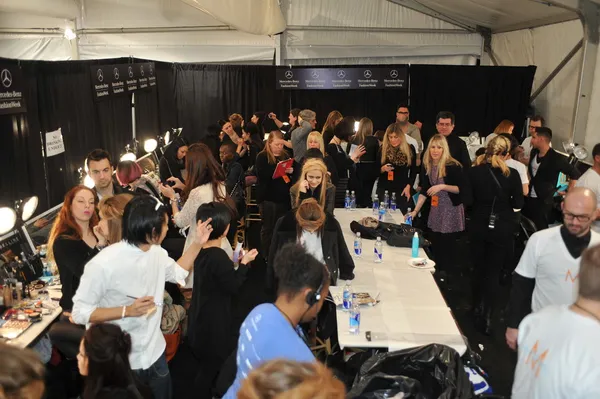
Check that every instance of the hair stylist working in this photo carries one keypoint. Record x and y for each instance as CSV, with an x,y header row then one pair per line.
x,y
125,284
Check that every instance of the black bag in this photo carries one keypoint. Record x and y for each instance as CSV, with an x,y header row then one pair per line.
x,y
426,372
396,235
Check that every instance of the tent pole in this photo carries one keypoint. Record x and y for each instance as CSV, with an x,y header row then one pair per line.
x,y
556,70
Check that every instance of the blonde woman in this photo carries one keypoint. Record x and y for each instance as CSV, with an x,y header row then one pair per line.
x,y
286,379
444,184
312,180
397,161
497,191
315,142
366,170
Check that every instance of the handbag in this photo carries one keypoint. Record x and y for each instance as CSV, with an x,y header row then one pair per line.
x,y
395,235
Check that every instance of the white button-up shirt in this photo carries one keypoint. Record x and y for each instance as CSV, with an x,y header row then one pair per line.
x,y
124,270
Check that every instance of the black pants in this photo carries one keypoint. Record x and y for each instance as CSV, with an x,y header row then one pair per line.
x,y
537,210
270,212
444,246
490,250
66,336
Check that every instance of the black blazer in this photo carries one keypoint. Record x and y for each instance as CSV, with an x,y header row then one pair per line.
x,y
335,251
551,165
455,176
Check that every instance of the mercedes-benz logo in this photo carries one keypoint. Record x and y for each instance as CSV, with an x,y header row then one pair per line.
x,y
116,73
289,74
6,78
341,74
100,75
368,73
142,70
130,72
394,73
314,74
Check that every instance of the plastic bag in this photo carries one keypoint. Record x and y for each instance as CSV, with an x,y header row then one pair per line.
x,y
427,372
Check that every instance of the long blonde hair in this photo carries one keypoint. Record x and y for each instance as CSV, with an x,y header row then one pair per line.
x,y
445,159
287,379
395,128
309,165
498,147
111,209
316,136
365,128
275,134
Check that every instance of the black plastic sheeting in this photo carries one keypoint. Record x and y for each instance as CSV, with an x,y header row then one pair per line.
x,y
427,372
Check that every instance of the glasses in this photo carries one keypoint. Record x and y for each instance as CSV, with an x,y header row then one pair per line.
x,y
532,127
580,218
444,124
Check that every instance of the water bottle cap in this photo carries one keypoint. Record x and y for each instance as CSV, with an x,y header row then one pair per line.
x,y
379,238
358,233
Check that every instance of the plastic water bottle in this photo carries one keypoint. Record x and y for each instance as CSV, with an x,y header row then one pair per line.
x,y
408,220
237,252
347,200
352,201
386,199
378,250
381,211
415,245
375,204
357,245
347,296
393,203
354,325
46,270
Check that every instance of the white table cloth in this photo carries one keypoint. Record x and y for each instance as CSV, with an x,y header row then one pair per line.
x,y
412,311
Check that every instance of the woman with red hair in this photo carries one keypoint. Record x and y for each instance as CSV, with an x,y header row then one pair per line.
x,y
505,126
131,175
73,240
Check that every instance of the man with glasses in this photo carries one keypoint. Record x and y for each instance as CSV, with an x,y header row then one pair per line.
x,y
548,271
534,122
413,134
458,148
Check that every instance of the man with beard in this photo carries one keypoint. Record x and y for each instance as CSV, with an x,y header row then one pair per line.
x,y
548,271
101,170
413,134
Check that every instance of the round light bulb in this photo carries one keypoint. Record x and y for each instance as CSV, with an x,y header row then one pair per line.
x,y
88,181
8,218
150,145
167,137
29,207
128,156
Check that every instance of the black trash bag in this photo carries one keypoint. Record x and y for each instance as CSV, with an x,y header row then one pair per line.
x,y
427,372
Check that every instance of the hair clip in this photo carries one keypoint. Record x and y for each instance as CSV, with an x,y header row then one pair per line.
x,y
158,203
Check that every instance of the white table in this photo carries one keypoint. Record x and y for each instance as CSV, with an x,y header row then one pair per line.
x,y
37,329
412,311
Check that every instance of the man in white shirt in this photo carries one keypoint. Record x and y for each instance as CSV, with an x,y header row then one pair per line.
x,y
534,122
548,272
559,355
591,179
518,166
124,285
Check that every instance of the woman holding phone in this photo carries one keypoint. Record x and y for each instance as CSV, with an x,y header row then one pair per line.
x,y
397,167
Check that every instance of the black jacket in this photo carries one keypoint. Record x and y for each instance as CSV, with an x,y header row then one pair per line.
x,y
403,175
335,251
455,176
551,165
316,194
269,189
117,188
169,165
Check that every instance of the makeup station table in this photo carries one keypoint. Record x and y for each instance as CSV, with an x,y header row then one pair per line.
x,y
412,311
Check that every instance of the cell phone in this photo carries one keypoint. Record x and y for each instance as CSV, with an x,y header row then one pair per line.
x,y
167,183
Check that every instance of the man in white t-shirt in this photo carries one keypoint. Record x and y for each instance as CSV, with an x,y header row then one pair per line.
x,y
511,162
591,179
548,272
559,354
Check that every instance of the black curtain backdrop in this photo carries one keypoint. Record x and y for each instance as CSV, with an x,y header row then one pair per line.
x,y
192,96
480,97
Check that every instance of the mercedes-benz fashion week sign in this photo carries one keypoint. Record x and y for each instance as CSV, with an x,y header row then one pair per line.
x,y
12,100
114,80
392,77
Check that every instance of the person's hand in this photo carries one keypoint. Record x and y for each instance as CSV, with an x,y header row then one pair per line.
x,y
406,192
433,190
203,230
418,124
289,171
167,191
178,184
272,115
387,168
359,152
249,256
140,307
101,236
412,214
304,186
512,334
